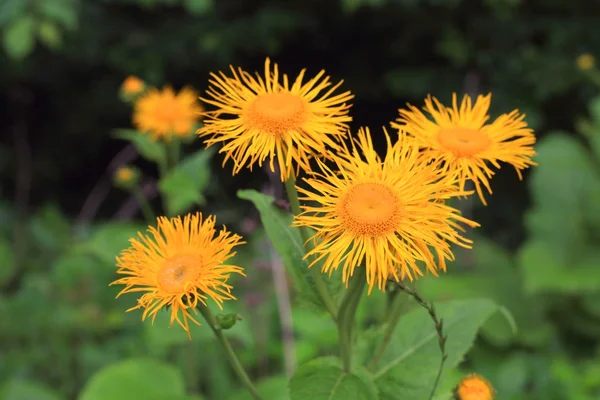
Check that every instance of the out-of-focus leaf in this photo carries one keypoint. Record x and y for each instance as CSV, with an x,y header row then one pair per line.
x,y
62,11
148,148
135,379
11,9
544,272
109,240
199,7
183,187
275,388
50,229
49,34
6,260
27,390
19,37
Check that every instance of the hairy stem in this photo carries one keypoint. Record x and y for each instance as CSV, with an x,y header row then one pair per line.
x,y
330,306
231,356
399,304
347,315
439,328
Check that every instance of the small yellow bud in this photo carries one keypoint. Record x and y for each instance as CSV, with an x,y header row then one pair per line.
x,y
586,62
474,387
126,177
132,85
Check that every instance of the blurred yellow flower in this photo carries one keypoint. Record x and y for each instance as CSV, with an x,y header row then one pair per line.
x,y
132,85
586,62
461,138
264,117
474,387
124,174
180,265
163,114
383,216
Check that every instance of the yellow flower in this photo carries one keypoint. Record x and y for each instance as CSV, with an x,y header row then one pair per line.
x,y
586,62
124,174
264,117
164,113
180,265
462,139
132,85
386,215
474,387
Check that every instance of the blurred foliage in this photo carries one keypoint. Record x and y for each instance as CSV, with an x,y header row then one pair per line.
x,y
63,334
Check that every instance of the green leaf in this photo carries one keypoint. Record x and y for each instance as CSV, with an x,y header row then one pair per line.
x,y
287,242
6,255
135,379
19,37
325,379
199,7
18,389
11,9
412,359
148,148
62,11
183,187
109,240
50,228
543,271
273,388
49,34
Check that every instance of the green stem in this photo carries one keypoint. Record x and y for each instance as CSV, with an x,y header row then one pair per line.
x,y
174,152
347,315
290,186
398,307
231,356
144,206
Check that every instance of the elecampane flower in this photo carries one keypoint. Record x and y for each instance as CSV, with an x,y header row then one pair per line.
x,y
164,113
462,138
180,264
474,387
386,216
267,117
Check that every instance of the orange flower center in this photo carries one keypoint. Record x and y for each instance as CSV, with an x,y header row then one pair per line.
x,y
276,113
167,110
370,209
177,272
463,141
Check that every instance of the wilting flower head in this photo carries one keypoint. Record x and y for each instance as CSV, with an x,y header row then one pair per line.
x,y
474,387
179,265
465,143
162,113
132,85
386,215
267,117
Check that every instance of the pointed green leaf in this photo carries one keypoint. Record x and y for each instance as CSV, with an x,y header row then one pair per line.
x,y
287,242
150,149
411,361
325,379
